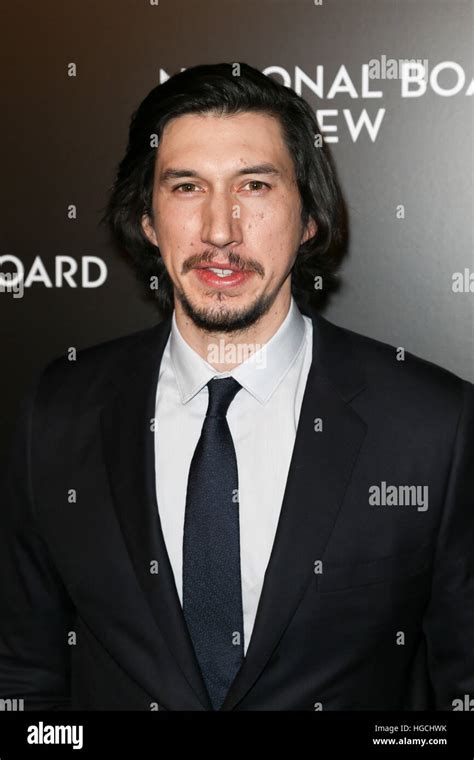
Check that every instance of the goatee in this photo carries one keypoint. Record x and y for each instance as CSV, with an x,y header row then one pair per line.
x,y
223,319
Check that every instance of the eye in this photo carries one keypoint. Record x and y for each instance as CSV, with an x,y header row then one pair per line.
x,y
185,184
257,182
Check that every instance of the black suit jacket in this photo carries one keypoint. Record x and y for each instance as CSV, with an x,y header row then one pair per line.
x,y
363,606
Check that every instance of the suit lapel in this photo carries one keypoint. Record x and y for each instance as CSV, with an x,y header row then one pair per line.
x,y
129,452
319,472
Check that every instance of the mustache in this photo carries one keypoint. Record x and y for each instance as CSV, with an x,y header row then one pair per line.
x,y
233,258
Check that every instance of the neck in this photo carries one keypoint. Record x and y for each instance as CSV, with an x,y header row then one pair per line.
x,y
225,351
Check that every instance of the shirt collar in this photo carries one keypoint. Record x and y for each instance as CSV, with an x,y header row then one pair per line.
x,y
260,374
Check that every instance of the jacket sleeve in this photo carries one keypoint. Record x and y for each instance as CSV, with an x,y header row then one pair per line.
x,y
36,612
449,618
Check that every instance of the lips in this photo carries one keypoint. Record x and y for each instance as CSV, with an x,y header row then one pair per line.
x,y
219,265
212,279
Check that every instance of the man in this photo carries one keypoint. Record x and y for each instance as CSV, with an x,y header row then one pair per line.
x,y
244,507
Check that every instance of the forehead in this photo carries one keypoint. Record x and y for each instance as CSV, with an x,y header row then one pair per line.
x,y
228,139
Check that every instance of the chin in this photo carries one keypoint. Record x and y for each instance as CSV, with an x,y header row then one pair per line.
x,y
224,313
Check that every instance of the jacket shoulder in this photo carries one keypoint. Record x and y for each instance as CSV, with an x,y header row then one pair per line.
x,y
389,358
94,372
393,375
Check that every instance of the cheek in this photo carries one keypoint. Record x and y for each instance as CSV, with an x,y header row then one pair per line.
x,y
176,229
276,231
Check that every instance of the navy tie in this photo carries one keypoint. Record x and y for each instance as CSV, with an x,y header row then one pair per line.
x,y
212,590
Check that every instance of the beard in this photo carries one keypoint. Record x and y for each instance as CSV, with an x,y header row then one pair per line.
x,y
223,318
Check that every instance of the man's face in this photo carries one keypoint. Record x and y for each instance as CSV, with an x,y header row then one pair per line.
x,y
225,195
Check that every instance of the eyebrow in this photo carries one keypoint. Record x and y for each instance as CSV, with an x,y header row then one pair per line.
x,y
169,174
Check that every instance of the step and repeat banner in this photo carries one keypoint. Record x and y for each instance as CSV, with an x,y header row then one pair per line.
x,y
391,84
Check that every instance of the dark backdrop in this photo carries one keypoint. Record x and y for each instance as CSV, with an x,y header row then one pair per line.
x,y
62,137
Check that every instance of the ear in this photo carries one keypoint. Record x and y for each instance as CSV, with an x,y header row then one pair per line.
x,y
148,229
309,231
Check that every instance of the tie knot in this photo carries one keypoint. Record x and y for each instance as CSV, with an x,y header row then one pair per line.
x,y
221,394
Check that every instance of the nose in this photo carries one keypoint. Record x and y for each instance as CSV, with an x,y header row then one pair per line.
x,y
221,224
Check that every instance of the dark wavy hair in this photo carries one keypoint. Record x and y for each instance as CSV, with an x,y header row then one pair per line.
x,y
230,88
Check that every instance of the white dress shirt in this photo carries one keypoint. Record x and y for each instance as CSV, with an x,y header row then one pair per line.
x,y
263,419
